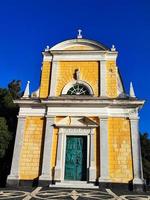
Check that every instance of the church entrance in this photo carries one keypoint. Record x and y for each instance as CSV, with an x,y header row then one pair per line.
x,y
76,158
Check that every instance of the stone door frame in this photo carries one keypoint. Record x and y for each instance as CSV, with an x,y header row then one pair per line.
x,y
61,151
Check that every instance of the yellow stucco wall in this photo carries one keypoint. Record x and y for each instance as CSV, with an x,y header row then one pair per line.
x,y
89,72
29,167
111,79
120,160
45,79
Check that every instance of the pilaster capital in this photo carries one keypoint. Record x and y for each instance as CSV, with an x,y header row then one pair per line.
x,y
134,118
103,118
21,118
102,62
92,132
50,119
47,56
55,61
133,113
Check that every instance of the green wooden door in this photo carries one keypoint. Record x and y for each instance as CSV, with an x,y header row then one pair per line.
x,y
76,158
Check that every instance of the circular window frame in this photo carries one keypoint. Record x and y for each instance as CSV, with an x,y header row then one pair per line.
x,y
72,83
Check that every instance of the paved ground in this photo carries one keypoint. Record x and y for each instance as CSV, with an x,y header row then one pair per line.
x,y
69,194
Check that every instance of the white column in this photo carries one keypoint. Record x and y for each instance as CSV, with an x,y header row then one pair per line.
x,y
103,83
13,178
53,78
136,151
46,166
58,168
92,167
104,150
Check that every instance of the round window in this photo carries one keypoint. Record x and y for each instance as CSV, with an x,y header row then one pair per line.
x,y
78,89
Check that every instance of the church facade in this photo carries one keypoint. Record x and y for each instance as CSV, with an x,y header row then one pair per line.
x,y
80,125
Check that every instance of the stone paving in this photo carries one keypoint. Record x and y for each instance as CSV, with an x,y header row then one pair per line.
x,y
69,194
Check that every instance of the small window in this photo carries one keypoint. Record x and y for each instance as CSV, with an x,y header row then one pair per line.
x,y
78,89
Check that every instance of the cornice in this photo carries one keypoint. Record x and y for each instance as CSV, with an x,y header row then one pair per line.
x,y
73,101
58,55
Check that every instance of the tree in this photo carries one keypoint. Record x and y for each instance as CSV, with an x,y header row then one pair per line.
x,y
145,149
5,136
8,123
8,109
14,88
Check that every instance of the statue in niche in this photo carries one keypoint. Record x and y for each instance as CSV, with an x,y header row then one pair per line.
x,y
77,75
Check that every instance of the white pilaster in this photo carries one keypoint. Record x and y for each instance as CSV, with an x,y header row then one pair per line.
x,y
53,78
103,78
104,150
136,151
46,167
59,168
92,168
13,178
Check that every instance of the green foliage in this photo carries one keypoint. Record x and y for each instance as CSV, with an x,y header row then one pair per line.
x,y
8,109
145,149
8,122
5,136
14,88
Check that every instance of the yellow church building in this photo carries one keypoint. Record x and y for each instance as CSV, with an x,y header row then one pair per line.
x,y
79,127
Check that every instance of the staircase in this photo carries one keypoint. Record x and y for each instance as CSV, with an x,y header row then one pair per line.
x,y
74,184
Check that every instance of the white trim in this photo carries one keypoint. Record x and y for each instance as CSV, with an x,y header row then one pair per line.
x,y
77,131
103,82
14,173
80,101
120,89
32,111
91,111
84,56
92,160
78,111
53,78
104,155
136,151
80,122
47,152
64,159
47,58
60,164
69,43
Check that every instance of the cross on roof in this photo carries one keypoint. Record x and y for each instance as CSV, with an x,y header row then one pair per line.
x,y
79,36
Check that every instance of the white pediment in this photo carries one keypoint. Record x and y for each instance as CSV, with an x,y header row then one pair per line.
x,y
80,44
76,122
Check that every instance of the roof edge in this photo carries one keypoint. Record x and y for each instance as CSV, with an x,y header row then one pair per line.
x,y
91,43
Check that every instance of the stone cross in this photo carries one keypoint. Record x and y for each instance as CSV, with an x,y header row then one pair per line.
x,y
79,36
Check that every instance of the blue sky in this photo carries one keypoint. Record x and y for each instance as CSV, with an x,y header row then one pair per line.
x,y
27,26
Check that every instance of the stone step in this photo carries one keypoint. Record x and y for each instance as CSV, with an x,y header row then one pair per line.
x,y
74,184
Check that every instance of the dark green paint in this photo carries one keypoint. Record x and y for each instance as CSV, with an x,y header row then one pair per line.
x,y
76,158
